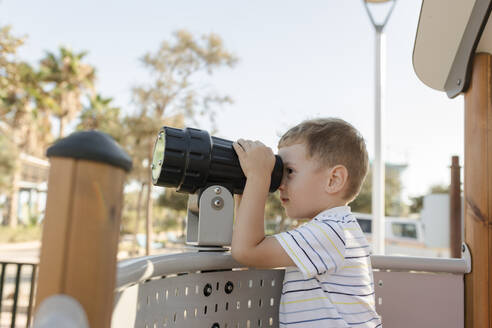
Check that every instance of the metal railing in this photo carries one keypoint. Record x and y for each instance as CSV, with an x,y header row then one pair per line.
x,y
23,278
167,289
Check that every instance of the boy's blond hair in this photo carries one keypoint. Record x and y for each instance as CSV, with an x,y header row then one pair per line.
x,y
333,141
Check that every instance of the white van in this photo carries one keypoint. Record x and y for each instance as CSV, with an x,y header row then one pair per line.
x,y
404,236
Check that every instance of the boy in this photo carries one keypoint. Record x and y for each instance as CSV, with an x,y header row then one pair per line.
x,y
328,277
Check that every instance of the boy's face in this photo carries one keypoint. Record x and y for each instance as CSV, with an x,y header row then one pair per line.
x,y
302,190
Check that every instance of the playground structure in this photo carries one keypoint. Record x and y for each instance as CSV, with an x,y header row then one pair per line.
x,y
81,285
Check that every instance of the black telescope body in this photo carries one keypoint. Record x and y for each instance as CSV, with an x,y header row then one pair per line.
x,y
189,159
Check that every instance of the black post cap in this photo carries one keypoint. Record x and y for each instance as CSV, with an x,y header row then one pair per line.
x,y
93,146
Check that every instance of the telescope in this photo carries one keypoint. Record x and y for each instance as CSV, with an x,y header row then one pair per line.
x,y
207,168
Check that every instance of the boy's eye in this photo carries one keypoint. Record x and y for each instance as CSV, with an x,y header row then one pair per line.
x,y
289,170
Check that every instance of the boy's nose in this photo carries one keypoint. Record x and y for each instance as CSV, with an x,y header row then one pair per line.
x,y
282,184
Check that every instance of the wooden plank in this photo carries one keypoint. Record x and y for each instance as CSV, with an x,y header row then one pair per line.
x,y
455,209
94,234
80,235
55,228
489,189
478,193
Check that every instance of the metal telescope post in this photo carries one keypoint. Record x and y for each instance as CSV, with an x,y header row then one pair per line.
x,y
378,233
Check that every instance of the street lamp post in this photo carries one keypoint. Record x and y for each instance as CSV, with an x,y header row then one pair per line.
x,y
378,232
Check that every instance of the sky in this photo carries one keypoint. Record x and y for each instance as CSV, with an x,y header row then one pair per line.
x,y
297,60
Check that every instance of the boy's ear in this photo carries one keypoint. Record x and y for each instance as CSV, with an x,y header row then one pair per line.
x,y
336,179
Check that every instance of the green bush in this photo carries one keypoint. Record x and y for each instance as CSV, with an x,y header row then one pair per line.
x,y
20,234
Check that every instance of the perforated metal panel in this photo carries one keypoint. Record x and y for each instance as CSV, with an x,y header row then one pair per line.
x,y
410,291
220,299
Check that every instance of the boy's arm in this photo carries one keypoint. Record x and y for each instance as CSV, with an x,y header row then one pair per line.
x,y
249,245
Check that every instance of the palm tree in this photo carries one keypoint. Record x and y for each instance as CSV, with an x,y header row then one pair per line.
x,y
100,114
23,126
66,79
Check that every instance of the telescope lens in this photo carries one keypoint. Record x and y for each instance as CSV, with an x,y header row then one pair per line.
x,y
158,157
190,159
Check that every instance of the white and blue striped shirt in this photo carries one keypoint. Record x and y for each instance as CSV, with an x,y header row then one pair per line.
x,y
332,284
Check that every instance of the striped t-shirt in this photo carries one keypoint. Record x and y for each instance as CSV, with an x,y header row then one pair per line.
x,y
332,284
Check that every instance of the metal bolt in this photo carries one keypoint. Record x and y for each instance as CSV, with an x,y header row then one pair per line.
x,y
458,82
152,166
463,248
160,163
207,290
229,286
215,325
380,283
217,190
160,135
217,203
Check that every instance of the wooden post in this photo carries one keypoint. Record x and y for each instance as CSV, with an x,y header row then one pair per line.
x,y
82,223
455,209
478,193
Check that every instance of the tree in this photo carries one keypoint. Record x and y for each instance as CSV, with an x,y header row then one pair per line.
x,y
24,126
66,79
140,134
439,189
417,203
173,89
178,202
174,200
393,187
274,210
101,115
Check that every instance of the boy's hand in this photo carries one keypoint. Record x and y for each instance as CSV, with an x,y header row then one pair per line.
x,y
255,158
249,245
